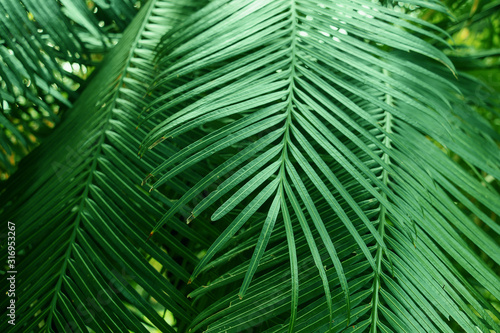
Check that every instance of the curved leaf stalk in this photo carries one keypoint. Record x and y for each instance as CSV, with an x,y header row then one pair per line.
x,y
387,126
82,213
282,174
76,225
280,198
95,157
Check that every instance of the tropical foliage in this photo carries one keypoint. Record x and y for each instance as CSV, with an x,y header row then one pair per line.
x,y
336,162
40,47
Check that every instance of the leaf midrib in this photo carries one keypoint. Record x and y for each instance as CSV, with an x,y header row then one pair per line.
x,y
95,158
381,229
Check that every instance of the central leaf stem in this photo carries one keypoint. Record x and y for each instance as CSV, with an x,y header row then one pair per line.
x,y
291,88
382,216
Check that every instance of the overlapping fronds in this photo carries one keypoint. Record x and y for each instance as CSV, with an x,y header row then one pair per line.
x,y
81,216
325,126
38,40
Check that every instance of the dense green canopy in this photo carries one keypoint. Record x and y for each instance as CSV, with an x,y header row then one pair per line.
x,y
306,166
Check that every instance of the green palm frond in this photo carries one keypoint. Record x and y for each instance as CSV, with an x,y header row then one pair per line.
x,y
36,39
322,129
82,217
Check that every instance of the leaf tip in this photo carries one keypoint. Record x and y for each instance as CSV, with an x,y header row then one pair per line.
x,y
146,179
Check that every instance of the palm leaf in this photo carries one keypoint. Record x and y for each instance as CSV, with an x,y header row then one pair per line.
x,y
322,113
81,217
38,40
